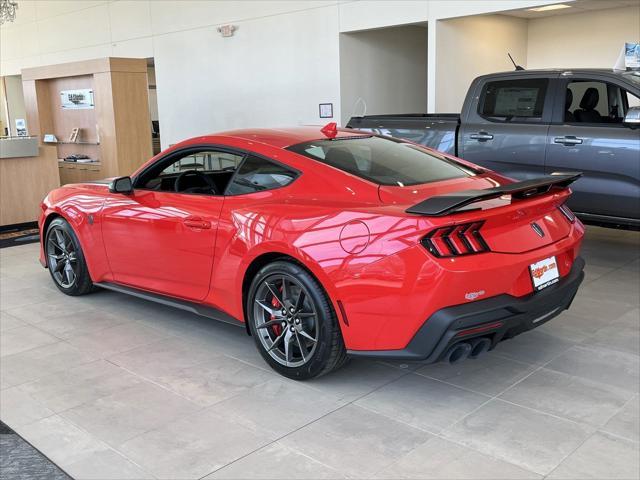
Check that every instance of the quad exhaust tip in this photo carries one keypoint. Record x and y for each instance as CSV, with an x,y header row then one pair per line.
x,y
463,350
458,352
479,346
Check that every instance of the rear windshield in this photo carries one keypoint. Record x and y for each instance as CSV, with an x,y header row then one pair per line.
x,y
385,161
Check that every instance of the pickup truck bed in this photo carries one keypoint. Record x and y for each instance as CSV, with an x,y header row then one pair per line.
x,y
435,130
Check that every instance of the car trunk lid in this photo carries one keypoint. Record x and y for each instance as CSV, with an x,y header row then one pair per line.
x,y
514,217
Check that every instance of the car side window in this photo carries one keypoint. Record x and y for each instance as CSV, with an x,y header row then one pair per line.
x,y
597,102
519,100
257,174
202,172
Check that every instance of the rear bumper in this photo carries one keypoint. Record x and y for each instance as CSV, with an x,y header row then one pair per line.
x,y
497,318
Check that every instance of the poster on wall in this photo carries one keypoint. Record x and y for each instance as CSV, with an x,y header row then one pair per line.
x,y
629,58
21,127
76,99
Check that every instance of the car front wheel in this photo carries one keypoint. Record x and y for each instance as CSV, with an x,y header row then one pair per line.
x,y
65,259
293,323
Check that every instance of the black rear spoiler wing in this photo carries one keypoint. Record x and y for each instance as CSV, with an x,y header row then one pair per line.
x,y
455,201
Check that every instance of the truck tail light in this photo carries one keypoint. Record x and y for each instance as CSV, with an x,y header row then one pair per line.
x,y
456,240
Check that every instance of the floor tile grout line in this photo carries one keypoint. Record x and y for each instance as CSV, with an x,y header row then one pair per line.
x,y
617,436
442,437
83,430
628,402
351,402
495,397
151,381
101,441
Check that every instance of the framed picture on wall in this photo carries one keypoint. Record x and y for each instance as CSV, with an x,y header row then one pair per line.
x,y
326,110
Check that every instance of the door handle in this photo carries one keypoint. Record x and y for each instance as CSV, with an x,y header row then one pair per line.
x,y
481,136
197,222
568,140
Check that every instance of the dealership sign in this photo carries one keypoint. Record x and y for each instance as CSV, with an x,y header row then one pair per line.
x,y
76,99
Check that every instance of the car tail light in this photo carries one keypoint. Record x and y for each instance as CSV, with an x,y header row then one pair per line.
x,y
566,211
456,240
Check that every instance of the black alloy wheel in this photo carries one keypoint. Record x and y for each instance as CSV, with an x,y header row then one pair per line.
x,y
293,322
65,259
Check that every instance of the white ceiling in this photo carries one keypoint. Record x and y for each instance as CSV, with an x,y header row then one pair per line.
x,y
576,6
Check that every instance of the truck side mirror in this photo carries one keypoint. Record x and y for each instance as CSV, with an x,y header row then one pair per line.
x,y
632,118
122,185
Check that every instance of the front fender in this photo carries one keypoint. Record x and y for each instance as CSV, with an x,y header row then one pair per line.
x,y
83,213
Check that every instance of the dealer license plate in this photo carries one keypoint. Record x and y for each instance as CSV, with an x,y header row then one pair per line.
x,y
544,273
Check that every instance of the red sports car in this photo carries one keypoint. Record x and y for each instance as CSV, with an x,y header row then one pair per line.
x,y
325,243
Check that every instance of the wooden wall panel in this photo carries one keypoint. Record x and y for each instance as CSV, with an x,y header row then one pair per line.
x,y
23,184
37,104
65,120
103,96
121,112
132,120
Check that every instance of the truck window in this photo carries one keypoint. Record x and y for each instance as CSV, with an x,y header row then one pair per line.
x,y
595,102
513,100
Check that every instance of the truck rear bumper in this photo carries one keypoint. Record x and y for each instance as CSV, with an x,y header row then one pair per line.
x,y
497,318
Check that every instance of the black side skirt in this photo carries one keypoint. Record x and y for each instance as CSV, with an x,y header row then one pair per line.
x,y
193,307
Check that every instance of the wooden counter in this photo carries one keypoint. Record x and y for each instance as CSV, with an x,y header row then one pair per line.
x,y
24,181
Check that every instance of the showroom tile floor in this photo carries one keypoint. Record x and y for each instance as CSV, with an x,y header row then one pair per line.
x,y
109,386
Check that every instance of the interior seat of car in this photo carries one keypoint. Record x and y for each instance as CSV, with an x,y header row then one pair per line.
x,y
587,112
568,100
342,159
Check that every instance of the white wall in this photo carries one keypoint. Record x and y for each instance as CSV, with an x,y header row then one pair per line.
x,y
472,46
589,39
280,64
273,72
386,68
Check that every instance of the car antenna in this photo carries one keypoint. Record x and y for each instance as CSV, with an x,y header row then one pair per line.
x,y
518,67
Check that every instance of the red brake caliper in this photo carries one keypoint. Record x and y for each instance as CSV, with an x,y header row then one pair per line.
x,y
277,328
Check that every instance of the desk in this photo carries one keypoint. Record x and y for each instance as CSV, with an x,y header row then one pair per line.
x,y
24,181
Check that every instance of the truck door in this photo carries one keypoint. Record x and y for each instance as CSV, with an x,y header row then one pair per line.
x,y
588,135
505,122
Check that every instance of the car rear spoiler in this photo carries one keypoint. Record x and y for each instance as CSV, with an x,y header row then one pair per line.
x,y
455,201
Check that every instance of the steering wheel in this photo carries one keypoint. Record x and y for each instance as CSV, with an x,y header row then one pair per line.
x,y
209,186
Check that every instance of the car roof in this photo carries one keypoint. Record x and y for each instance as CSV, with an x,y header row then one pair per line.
x,y
285,137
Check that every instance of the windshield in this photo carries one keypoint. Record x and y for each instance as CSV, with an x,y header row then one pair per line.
x,y
385,161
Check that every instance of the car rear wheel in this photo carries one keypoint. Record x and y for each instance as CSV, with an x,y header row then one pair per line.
x,y
65,259
293,323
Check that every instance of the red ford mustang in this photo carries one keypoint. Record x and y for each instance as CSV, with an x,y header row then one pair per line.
x,y
324,244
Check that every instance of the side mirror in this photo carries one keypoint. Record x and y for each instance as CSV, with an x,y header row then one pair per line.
x,y
121,185
632,118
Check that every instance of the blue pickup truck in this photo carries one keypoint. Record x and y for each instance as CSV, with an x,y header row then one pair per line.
x,y
528,123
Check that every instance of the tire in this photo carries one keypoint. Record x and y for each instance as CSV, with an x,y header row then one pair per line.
x,y
63,252
309,326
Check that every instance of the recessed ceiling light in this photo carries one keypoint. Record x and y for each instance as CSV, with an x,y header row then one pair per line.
x,y
546,8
